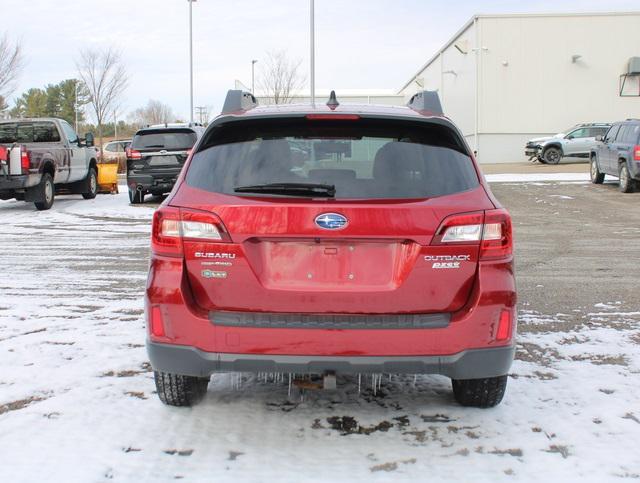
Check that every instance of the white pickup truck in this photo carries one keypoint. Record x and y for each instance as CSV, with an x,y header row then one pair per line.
x,y
41,156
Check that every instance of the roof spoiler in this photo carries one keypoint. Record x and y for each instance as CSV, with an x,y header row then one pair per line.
x,y
426,101
238,100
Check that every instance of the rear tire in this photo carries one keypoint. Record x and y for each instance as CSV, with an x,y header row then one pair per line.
x,y
479,393
552,155
46,192
596,176
136,197
179,390
627,183
92,184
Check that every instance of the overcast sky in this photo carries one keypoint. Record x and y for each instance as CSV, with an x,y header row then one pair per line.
x,y
359,43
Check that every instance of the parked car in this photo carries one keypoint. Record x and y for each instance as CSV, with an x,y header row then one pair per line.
x,y
156,156
577,142
114,151
42,155
618,154
385,253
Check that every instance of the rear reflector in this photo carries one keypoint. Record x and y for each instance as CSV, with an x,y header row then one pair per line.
x,y
504,326
157,324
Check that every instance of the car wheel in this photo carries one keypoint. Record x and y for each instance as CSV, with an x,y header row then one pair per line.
x,y
627,184
479,393
552,155
136,197
179,390
46,192
92,182
596,176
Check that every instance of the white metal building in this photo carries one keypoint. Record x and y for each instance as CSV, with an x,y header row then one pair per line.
x,y
507,78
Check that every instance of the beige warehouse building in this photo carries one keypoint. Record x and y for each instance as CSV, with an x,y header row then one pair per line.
x,y
507,78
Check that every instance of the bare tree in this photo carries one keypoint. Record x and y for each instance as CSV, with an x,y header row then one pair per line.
x,y
105,77
280,77
11,64
155,112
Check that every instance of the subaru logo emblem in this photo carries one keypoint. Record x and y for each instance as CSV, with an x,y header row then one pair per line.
x,y
331,221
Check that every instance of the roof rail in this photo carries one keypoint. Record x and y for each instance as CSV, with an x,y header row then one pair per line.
x,y
238,100
426,101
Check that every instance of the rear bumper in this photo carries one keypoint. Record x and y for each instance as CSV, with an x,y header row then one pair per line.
x,y
153,182
11,183
468,364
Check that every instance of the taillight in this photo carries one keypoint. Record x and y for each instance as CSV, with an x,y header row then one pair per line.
x,y
497,237
4,153
172,225
464,228
490,229
133,154
636,153
333,117
25,162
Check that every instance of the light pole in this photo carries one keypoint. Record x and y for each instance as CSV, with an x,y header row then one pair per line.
x,y
253,87
76,105
313,55
191,58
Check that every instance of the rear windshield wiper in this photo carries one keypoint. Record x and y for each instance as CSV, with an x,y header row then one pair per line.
x,y
294,189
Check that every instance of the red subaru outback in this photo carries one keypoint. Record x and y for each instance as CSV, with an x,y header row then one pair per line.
x,y
331,239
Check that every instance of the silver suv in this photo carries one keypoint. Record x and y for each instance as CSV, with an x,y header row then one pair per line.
x,y
576,142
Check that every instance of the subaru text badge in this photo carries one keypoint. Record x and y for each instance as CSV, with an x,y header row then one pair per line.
x,y
331,221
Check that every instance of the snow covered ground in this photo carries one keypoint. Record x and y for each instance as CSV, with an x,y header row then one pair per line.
x,y
77,399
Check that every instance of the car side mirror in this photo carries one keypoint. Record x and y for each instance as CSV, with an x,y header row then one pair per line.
x,y
570,136
89,140
599,138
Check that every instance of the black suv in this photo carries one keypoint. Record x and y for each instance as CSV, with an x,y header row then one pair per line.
x,y
618,154
156,156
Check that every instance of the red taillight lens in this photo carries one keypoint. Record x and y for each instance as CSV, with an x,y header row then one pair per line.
x,y
497,236
636,153
133,154
4,153
165,232
157,324
172,225
491,229
503,332
25,162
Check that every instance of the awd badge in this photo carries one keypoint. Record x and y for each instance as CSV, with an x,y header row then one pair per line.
x,y
213,274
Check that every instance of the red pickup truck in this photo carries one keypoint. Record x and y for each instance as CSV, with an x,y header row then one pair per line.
x,y
40,156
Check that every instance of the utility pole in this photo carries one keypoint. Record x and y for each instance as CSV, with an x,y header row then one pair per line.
x,y
115,124
313,55
253,77
191,59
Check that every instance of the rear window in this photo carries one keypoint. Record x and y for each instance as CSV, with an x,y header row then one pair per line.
x,y
165,139
29,132
366,159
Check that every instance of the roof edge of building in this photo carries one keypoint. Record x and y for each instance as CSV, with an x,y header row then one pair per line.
x,y
510,15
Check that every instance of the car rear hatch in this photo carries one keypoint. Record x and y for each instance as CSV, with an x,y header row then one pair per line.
x,y
160,150
368,249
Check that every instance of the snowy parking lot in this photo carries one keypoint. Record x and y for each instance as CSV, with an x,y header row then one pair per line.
x,y
77,400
